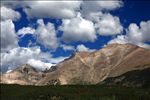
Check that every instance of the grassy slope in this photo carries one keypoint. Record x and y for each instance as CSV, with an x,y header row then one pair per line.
x,y
76,92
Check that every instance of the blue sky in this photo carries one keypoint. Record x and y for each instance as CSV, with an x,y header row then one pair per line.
x,y
58,29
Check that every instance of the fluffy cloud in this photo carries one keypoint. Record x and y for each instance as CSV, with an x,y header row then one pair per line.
x,y
33,56
67,47
8,13
26,30
18,56
123,39
109,25
120,39
46,35
8,37
82,48
62,9
135,35
139,34
145,29
78,29
57,60
38,64
13,4
46,9
101,5
92,8
144,45
52,9
105,24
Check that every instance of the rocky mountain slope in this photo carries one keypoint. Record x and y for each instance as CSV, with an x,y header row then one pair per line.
x,y
113,60
92,68
24,75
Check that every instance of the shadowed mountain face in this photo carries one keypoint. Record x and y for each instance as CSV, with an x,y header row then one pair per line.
x,y
135,78
93,68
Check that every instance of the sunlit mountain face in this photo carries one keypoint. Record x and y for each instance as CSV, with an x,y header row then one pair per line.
x,y
116,64
44,33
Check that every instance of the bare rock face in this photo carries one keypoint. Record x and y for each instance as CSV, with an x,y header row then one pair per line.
x,y
92,68
24,75
85,68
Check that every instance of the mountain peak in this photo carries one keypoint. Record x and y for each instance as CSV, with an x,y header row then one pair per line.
x,y
86,67
26,68
24,75
92,68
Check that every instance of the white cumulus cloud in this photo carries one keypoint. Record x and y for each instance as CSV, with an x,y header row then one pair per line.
x,y
8,13
34,56
46,34
92,8
78,29
109,25
137,35
63,8
38,64
120,39
52,9
26,30
57,60
82,48
67,47
19,56
8,35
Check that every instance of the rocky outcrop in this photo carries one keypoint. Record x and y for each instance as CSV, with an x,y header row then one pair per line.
x,y
24,75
